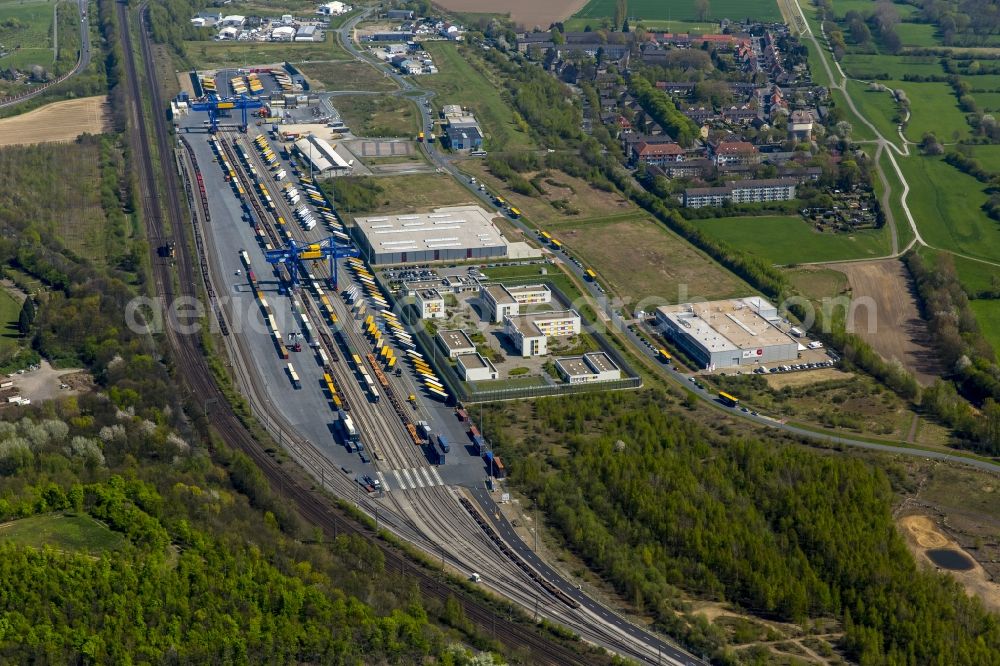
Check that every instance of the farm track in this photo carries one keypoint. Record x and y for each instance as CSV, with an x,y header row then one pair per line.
x,y
193,371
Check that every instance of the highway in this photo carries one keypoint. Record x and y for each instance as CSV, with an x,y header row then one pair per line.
x,y
81,63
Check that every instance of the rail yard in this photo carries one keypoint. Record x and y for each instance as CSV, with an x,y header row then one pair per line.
x,y
330,370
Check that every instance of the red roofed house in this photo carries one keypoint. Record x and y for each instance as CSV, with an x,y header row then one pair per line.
x,y
656,154
735,152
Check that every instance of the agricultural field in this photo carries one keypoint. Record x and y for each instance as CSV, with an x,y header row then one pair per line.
x,y
581,199
816,283
886,67
26,33
212,55
685,10
639,258
75,533
951,217
378,115
57,122
988,316
788,239
458,82
339,75
528,13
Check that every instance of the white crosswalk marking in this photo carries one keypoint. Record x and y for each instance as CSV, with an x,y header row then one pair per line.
x,y
437,477
420,482
402,485
381,478
427,475
409,481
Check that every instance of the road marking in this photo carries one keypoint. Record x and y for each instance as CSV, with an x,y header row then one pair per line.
x,y
399,480
420,482
427,476
381,478
409,481
437,477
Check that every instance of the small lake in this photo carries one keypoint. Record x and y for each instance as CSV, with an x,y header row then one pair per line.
x,y
950,559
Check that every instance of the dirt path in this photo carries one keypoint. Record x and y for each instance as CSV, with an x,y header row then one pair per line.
x,y
886,315
57,122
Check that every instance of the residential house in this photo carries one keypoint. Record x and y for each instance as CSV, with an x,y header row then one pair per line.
x,y
735,152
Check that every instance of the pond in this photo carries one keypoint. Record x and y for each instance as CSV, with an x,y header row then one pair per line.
x,y
953,560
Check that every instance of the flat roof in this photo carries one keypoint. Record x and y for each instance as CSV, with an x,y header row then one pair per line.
x,y
417,286
574,366
527,288
726,325
528,322
429,294
465,227
471,361
321,153
455,339
499,293
600,361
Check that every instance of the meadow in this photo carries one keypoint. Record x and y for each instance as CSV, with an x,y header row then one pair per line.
x,y
210,55
26,33
918,34
841,7
77,533
883,67
988,316
378,115
790,240
765,10
946,204
878,107
933,108
458,82
339,75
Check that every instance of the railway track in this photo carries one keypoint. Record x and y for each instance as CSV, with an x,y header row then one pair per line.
x,y
192,370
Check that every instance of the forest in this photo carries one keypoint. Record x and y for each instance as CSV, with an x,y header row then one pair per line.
x,y
667,509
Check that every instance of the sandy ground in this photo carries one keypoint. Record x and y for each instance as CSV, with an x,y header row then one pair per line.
x,y
892,325
922,535
56,122
526,13
44,383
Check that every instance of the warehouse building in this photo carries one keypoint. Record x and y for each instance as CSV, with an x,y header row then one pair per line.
x,y
321,155
530,332
430,302
591,367
476,368
448,234
725,334
456,342
502,301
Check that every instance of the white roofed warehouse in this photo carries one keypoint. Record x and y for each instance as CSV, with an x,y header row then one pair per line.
x,y
724,334
447,234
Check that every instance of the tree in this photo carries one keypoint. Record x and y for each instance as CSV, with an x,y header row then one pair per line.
x,y
621,13
701,8
27,316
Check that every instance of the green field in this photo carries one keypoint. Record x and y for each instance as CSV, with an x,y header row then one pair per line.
x,y
63,532
378,115
983,81
10,309
790,240
988,316
26,32
878,107
817,283
933,108
988,156
918,34
339,75
885,67
841,7
579,24
946,205
904,233
458,82
764,10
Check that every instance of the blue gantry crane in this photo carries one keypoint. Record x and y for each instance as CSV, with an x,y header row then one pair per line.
x,y
328,248
216,105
